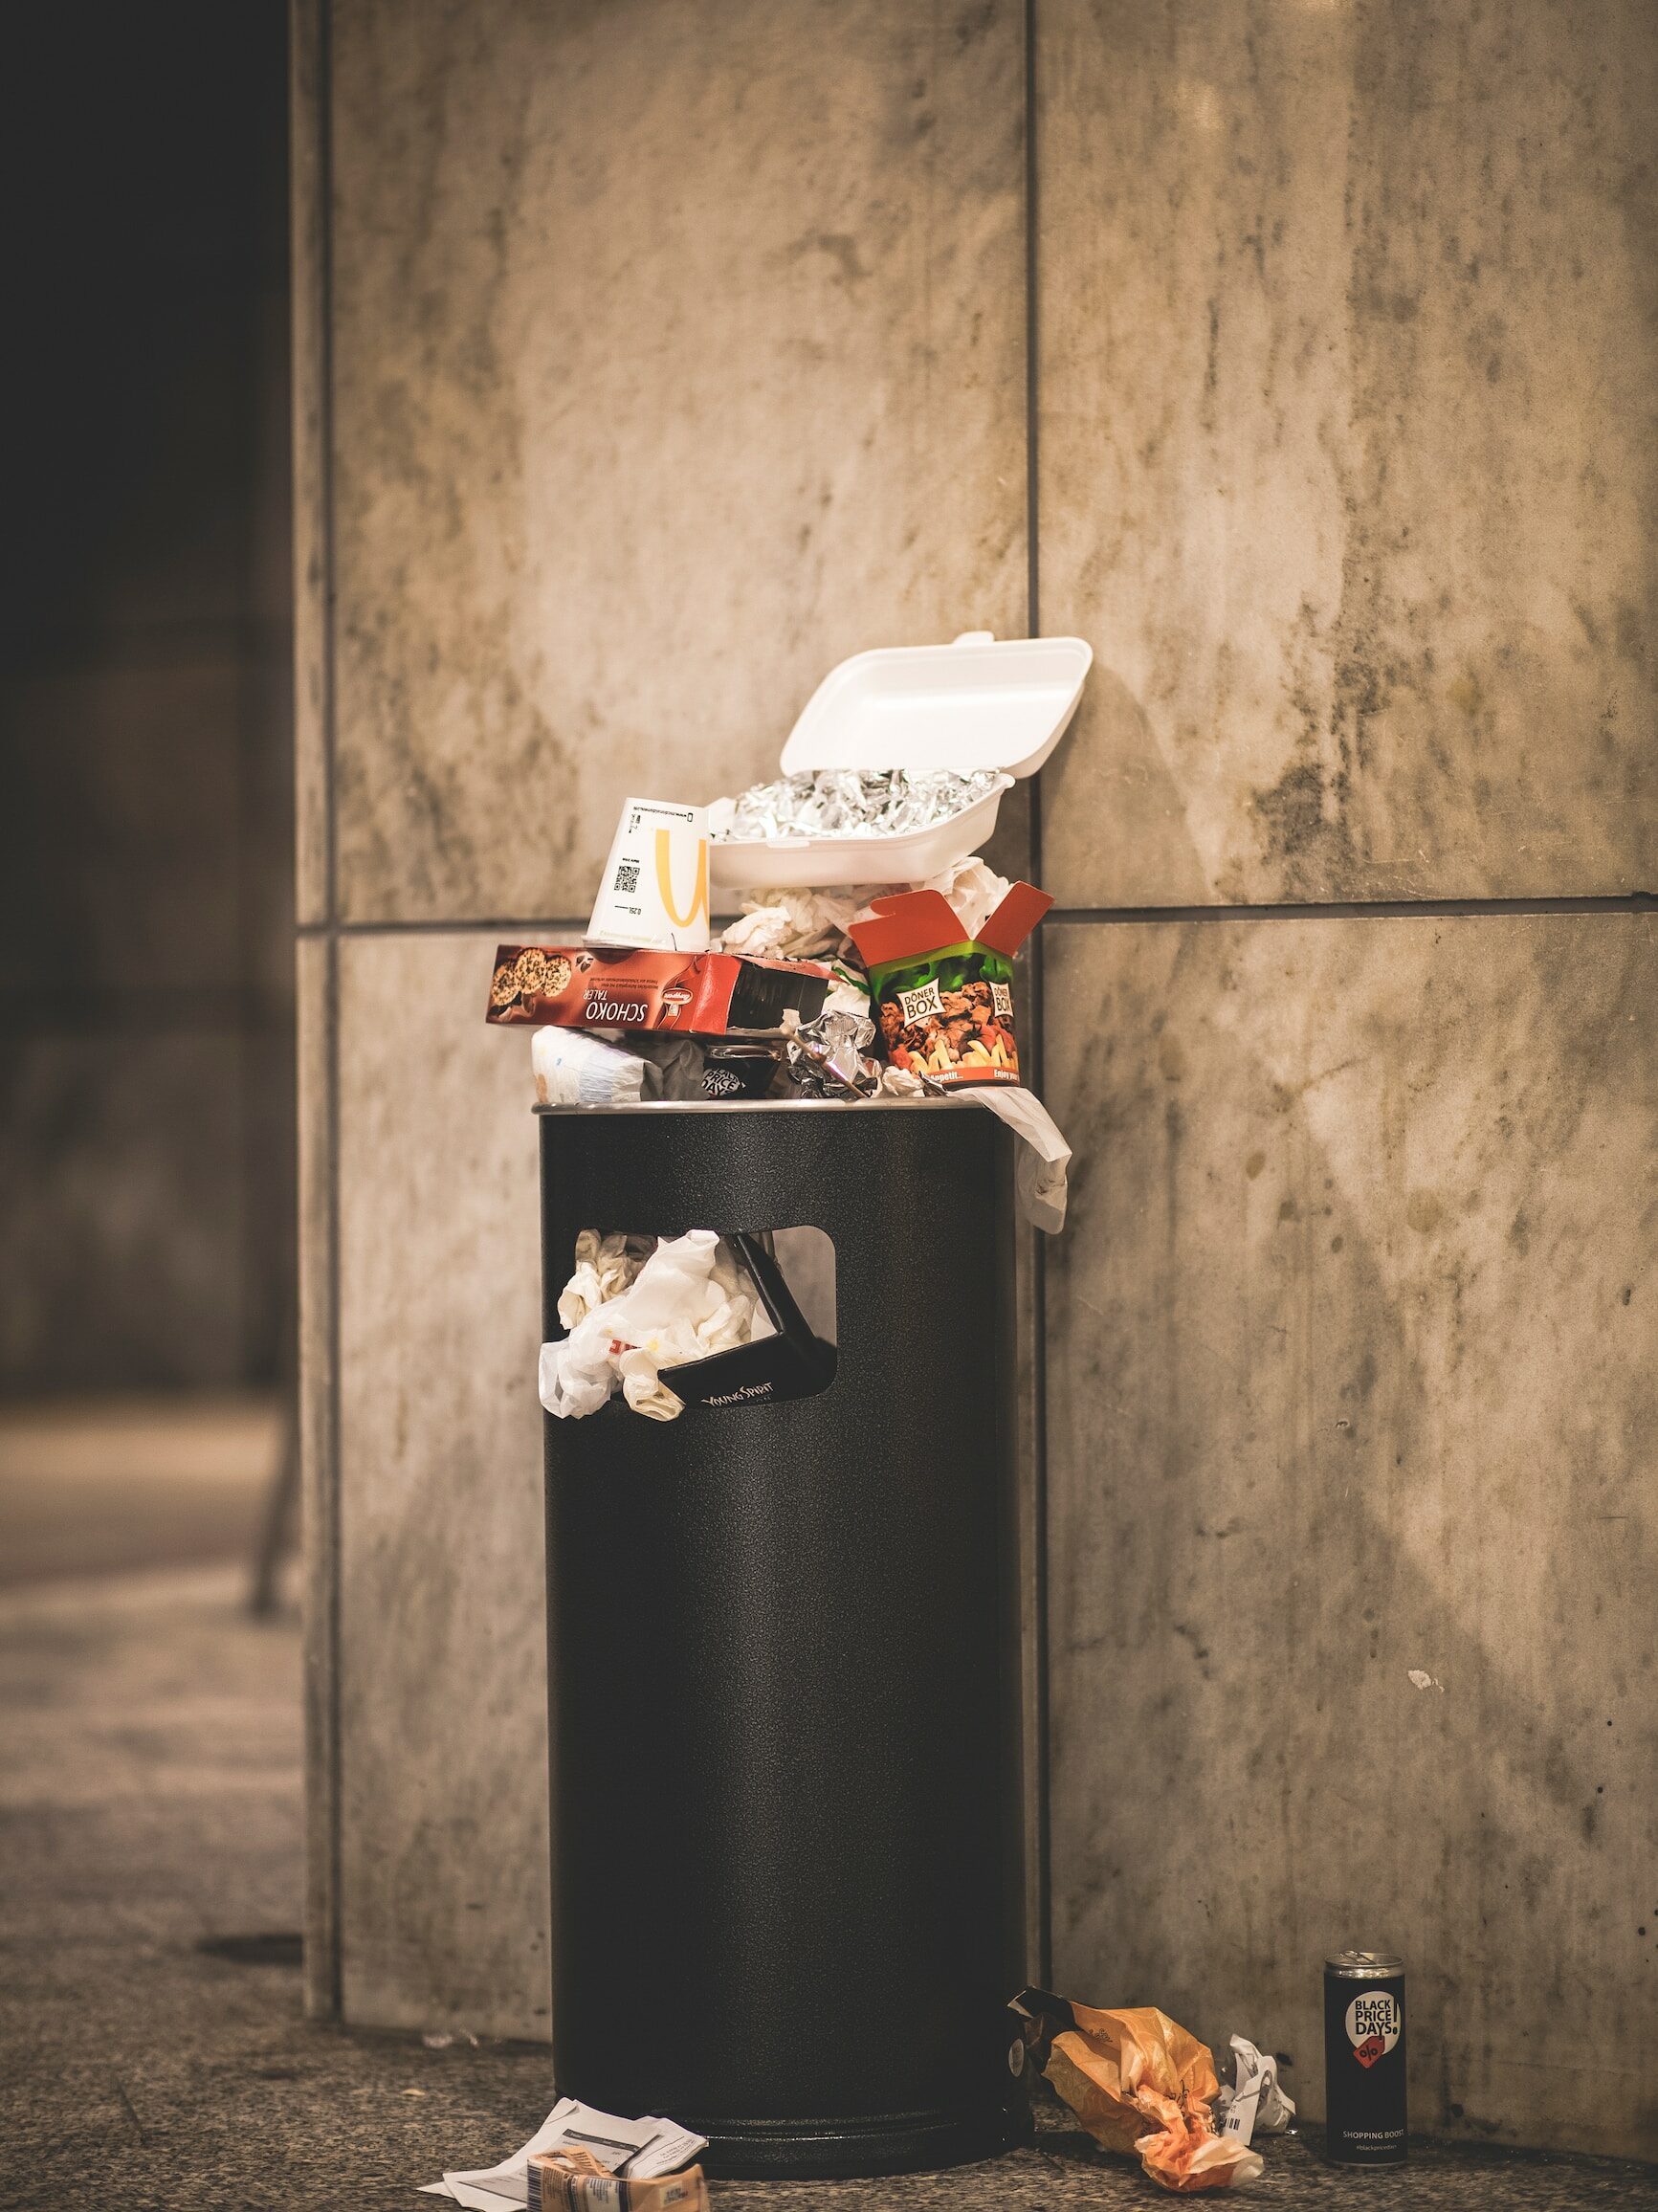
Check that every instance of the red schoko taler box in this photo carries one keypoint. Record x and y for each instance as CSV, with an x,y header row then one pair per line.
x,y
704,993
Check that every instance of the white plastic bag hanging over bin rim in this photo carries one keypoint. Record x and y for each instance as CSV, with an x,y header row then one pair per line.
x,y
982,703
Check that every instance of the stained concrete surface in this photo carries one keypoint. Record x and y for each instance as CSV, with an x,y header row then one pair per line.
x,y
678,352
442,1840
151,1804
1347,428
1351,1410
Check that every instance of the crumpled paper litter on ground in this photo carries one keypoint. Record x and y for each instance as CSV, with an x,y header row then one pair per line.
x,y
643,2147
1142,2084
1257,2104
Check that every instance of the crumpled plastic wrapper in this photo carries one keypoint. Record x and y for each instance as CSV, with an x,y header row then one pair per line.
x,y
594,1068
572,2180
1142,2085
630,1312
1258,2104
852,803
827,1056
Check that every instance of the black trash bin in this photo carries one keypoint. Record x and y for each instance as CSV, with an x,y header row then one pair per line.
x,y
784,1661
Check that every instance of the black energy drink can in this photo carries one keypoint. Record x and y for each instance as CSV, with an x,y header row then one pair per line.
x,y
1364,2059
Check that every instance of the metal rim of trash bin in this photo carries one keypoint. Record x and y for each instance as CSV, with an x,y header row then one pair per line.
x,y
649,1106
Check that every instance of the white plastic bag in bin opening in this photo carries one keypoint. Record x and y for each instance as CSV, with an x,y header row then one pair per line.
x,y
633,1306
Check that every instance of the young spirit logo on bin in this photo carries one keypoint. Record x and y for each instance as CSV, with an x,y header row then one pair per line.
x,y
1372,2024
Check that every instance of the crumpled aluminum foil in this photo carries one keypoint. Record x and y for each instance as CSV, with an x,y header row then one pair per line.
x,y
828,1058
856,802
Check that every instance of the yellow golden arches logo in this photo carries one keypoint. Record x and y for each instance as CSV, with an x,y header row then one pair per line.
x,y
665,882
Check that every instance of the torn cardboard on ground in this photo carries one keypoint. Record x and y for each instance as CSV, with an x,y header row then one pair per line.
x,y
606,2143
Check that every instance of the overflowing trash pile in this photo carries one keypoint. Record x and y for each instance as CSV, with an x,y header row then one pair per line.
x,y
1139,2083
873,958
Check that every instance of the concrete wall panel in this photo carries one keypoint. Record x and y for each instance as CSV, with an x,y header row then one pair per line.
x,y
678,351
1351,1404
441,1652
314,993
1349,447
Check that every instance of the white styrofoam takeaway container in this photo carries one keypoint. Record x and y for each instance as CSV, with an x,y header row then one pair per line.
x,y
982,703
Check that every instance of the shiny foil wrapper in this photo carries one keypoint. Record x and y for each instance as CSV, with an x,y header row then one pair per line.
x,y
827,1059
856,802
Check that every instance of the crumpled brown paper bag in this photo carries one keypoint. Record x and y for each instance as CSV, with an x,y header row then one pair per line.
x,y
1138,2082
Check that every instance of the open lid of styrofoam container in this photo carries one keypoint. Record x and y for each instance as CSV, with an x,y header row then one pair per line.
x,y
982,703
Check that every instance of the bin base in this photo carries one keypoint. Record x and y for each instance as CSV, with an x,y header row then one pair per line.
x,y
844,2151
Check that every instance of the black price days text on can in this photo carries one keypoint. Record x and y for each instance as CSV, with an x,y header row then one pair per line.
x,y
1364,2059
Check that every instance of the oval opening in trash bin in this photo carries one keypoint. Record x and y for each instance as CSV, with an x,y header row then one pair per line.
x,y
723,1320
789,1360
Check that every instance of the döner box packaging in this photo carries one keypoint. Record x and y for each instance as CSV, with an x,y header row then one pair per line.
x,y
711,994
943,1000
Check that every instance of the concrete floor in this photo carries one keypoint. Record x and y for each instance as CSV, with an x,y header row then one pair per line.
x,y
150,1806
97,1487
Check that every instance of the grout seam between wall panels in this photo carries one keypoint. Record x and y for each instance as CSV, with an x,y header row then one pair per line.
x,y
310,27
1040,1874
1359,910
1307,910
336,1379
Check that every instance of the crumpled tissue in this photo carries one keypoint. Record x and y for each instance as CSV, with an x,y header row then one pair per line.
x,y
1040,1167
1141,2084
605,1268
686,1299
1041,1161
813,924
